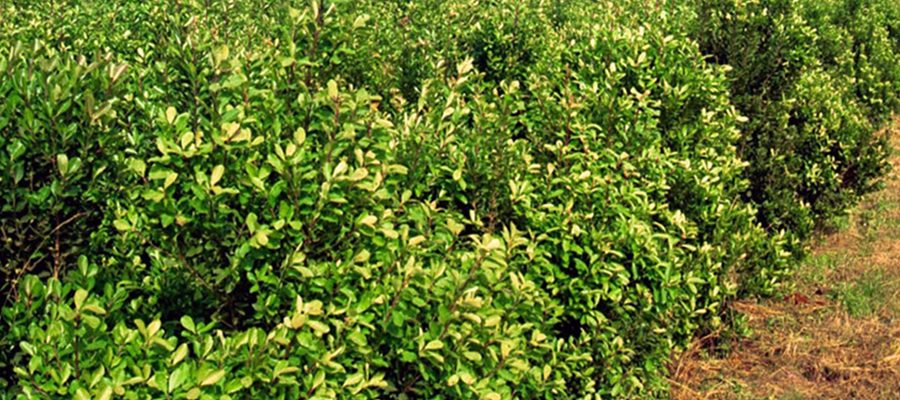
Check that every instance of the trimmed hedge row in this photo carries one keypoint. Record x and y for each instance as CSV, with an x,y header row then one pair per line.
x,y
431,199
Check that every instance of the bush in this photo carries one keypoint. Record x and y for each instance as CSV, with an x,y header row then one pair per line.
x,y
859,40
810,144
433,199
643,229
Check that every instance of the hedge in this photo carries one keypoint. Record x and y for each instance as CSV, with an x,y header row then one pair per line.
x,y
428,199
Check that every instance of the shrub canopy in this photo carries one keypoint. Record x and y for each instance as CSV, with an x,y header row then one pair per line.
x,y
428,199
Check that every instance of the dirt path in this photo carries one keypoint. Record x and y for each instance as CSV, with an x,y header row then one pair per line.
x,y
835,336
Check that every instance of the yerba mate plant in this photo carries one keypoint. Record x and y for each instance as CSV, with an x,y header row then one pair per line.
x,y
430,199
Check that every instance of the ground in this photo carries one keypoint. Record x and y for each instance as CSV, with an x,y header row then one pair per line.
x,y
835,334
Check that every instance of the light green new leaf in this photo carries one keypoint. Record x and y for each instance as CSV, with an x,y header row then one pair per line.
x,y
106,394
171,113
434,345
353,379
80,296
62,163
319,327
180,353
213,378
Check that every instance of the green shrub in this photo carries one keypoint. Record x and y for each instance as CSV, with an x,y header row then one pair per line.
x,y
296,235
57,162
860,40
636,190
430,199
810,146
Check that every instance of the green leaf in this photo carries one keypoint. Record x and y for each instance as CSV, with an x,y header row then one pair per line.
x,y
359,338
353,379
434,345
142,328
455,227
362,256
416,240
122,226
15,149
252,222
177,378
261,238
313,307
242,136
171,113
287,61
473,356
188,323
83,265
139,166
117,72
153,195
97,376
368,220
390,233
193,394
217,173
74,165
397,169
213,378
180,353
221,53
282,368
80,296
91,321
106,394
233,386
332,90
28,348
82,394
319,327
94,309
519,364
358,175
170,179
300,136
360,21
319,379
186,139
340,169
298,320
153,328
230,129
62,163
437,357
506,346
162,343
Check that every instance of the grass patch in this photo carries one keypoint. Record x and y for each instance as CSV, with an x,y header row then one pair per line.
x,y
865,295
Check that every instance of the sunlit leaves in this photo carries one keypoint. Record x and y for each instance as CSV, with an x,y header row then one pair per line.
x,y
510,200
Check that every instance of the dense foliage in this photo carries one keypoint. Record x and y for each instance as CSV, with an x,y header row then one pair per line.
x,y
815,81
426,199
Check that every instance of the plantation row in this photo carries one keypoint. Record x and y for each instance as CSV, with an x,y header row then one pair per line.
x,y
246,199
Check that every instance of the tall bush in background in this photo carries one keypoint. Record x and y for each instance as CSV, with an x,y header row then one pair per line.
x,y
813,106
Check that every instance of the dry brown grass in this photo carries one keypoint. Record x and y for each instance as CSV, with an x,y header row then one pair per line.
x,y
836,336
